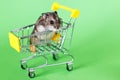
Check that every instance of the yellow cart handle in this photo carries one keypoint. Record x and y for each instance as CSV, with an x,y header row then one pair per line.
x,y
74,12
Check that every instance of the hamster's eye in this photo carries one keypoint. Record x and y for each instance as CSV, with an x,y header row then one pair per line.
x,y
51,22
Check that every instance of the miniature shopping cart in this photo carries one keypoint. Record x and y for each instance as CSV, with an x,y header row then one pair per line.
x,y
20,41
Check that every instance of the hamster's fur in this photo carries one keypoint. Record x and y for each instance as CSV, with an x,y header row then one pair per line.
x,y
48,21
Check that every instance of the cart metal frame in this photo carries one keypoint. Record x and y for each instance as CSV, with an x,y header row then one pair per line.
x,y
17,37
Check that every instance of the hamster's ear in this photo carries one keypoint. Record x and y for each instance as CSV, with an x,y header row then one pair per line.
x,y
55,12
44,16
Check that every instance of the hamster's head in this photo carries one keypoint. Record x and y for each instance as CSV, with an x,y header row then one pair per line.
x,y
52,21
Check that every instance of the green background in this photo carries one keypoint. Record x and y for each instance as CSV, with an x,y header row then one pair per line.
x,y
95,45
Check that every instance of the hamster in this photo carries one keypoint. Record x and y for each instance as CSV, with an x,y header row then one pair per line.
x,y
48,21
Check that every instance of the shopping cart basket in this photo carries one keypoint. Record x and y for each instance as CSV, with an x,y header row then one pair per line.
x,y
20,41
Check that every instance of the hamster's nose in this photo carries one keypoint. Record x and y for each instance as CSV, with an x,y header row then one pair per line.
x,y
51,22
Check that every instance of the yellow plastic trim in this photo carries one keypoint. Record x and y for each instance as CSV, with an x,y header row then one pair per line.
x,y
74,12
14,42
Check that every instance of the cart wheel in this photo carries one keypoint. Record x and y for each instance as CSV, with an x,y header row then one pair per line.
x,y
55,56
24,66
31,74
69,67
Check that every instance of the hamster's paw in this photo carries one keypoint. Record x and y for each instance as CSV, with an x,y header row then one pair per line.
x,y
33,49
